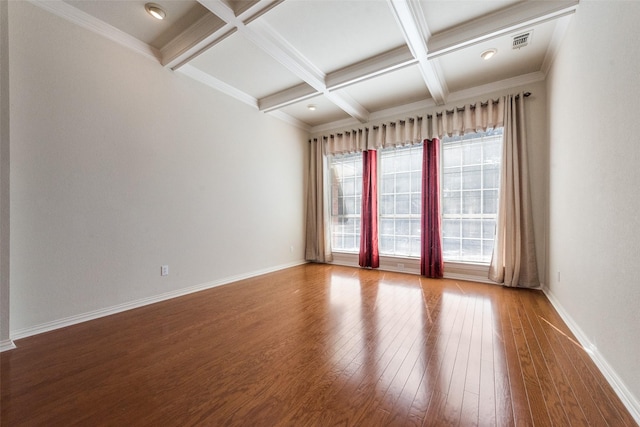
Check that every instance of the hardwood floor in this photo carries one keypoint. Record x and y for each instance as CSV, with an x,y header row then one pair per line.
x,y
315,345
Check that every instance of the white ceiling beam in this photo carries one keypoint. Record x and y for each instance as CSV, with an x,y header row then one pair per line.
x,y
371,67
364,70
219,85
206,32
287,97
416,33
267,39
511,19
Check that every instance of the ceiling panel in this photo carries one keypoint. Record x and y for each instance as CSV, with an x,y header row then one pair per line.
x,y
132,18
240,63
441,15
278,44
335,33
390,90
465,68
325,112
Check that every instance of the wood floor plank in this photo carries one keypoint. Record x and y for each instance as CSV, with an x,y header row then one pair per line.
x,y
314,345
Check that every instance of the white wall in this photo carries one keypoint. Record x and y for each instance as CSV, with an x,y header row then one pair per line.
x,y
594,232
119,166
4,174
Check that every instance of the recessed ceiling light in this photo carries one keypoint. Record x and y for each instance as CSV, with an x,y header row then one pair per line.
x,y
155,11
311,107
487,54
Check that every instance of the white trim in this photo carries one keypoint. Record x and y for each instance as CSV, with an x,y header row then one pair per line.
x,y
91,23
554,45
524,79
79,318
206,32
452,270
471,272
410,19
6,345
219,85
626,396
289,119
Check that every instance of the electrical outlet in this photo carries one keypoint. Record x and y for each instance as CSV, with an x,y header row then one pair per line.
x,y
164,270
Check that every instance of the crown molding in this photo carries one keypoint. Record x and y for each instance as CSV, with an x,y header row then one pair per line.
x,y
86,21
290,119
500,85
420,107
554,44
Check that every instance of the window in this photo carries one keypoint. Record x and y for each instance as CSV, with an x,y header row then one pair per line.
x,y
346,201
400,177
470,182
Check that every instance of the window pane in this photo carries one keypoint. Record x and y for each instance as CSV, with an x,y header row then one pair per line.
x,y
491,176
403,182
403,246
386,244
488,228
388,184
386,226
451,202
451,155
415,227
490,201
471,202
472,153
472,177
346,190
469,215
416,204
451,248
452,179
416,180
403,227
400,203
386,205
451,228
472,228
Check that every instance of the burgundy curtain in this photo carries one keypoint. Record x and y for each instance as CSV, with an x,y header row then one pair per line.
x,y
431,264
369,256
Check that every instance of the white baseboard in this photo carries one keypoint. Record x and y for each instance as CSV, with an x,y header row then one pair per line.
x,y
628,399
6,345
72,320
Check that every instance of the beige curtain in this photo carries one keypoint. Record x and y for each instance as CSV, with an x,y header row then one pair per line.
x,y
470,118
514,254
318,240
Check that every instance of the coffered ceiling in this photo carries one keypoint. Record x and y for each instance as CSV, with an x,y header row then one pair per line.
x,y
351,59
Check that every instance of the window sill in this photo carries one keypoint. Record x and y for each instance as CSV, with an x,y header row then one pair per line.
x,y
474,272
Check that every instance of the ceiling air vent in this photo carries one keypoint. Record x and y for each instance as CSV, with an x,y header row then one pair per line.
x,y
521,40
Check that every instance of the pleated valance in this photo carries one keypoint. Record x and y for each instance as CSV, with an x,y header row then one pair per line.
x,y
413,130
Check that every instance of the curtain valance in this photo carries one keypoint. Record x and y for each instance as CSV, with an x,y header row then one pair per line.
x,y
476,117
